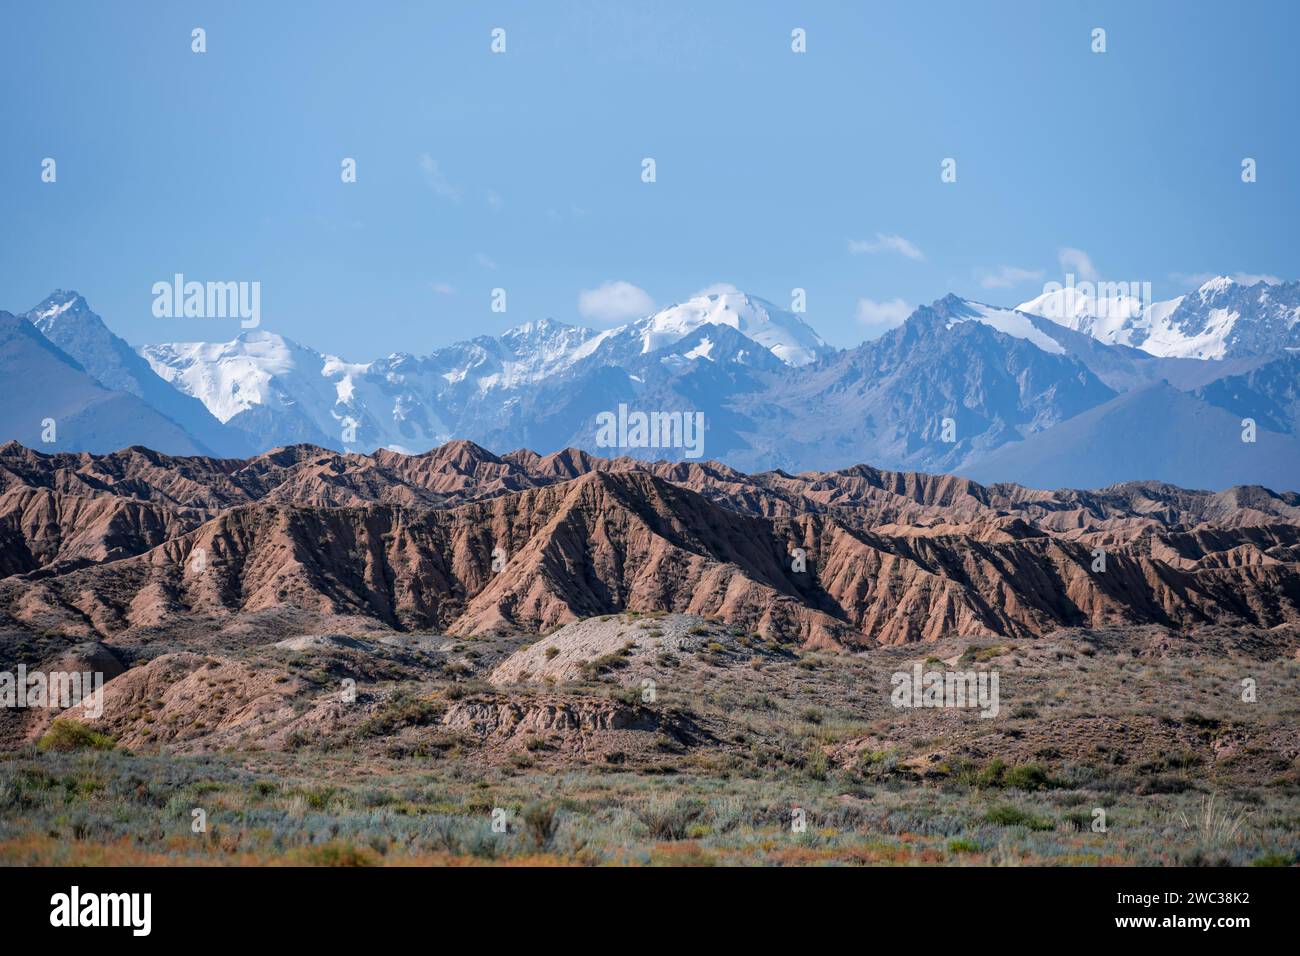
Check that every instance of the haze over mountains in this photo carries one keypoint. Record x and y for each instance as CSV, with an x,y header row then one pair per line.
x,y
45,388
1059,392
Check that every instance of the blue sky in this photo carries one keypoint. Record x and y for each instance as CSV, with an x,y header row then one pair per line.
x,y
523,170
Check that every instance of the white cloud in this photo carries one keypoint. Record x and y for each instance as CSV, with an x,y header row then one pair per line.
x,y
884,243
718,288
1007,277
443,288
1078,263
614,301
1250,278
880,317
436,180
484,261
494,199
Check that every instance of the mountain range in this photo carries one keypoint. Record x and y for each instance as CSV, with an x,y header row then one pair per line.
x,y
136,544
1222,319
1063,390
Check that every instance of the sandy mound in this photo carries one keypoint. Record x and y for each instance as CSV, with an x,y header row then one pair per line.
x,y
308,642
189,702
585,649
572,727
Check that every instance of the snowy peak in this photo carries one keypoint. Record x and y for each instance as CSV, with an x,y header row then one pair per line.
x,y
281,392
1219,285
65,319
1107,315
60,305
278,391
41,381
782,333
522,355
544,330
257,368
715,345
1013,323
1222,319
542,348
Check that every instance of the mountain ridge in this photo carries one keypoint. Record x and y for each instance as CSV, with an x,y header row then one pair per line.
x,y
1205,324
956,384
65,318
468,542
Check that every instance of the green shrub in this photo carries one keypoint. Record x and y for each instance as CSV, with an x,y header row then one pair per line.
x,y
318,798
336,854
817,765
65,735
402,711
1078,820
1009,816
591,670
975,654
670,821
540,823
1027,776
992,774
997,775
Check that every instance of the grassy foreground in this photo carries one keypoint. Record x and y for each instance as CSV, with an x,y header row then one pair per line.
x,y
115,808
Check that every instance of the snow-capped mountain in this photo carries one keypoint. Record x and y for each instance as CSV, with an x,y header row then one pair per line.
x,y
51,403
282,392
279,391
65,319
990,372
1007,321
782,333
1110,319
520,356
960,386
1220,320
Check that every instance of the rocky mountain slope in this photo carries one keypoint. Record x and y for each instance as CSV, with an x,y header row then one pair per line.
x,y
464,541
44,386
1157,433
66,320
